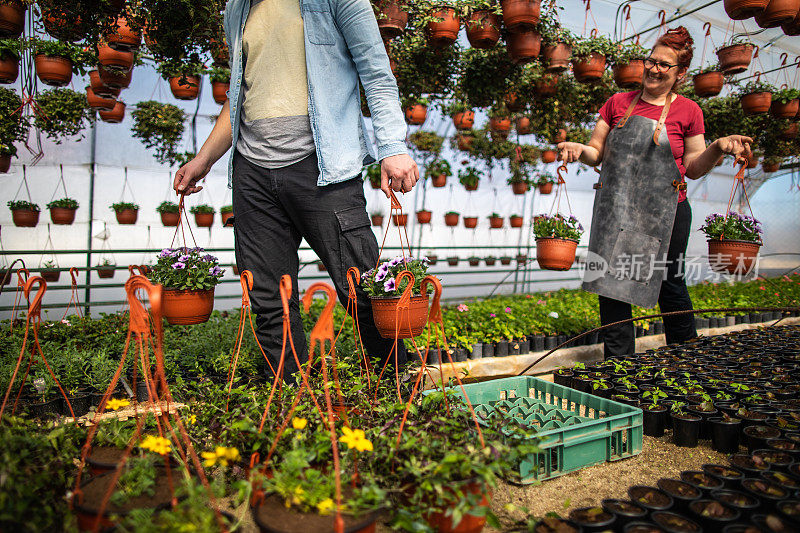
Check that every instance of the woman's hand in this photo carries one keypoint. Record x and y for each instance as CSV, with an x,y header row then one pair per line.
x,y
570,152
736,145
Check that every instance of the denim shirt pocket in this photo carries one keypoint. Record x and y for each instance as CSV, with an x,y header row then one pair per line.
x,y
318,22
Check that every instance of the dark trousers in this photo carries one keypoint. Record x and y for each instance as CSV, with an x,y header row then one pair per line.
x,y
274,210
674,296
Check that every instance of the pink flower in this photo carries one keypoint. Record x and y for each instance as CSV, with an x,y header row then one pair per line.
x,y
762,288
492,315
462,308
541,302
508,309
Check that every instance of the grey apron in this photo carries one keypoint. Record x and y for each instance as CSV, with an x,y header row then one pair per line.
x,y
634,210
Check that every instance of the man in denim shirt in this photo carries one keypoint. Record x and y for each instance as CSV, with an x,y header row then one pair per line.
x,y
294,120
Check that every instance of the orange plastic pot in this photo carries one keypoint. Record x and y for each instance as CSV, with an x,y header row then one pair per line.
x,y
406,324
58,24
589,69
185,89
770,167
629,75
555,254
792,27
114,116
471,187
127,216
735,58
514,103
187,307
556,56
105,272
778,13
112,57
560,136
708,83
204,220
12,18
523,45
548,156
519,187
442,523
787,110
546,188
99,103
495,222
424,217
490,261
465,142
5,163
219,89
500,124
744,9
439,180
50,275
9,69
124,37
115,79
445,32
483,29
464,120
505,261
516,221
225,216
790,132
731,256
25,218
391,20
415,114
170,219
451,219
521,14
547,85
53,70
470,222
377,220
62,215
752,162
400,220
100,88
756,103
523,126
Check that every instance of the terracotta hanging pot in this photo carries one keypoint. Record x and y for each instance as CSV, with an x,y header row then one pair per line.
x,y
185,88
752,162
483,29
548,156
105,272
770,167
521,14
25,218
50,275
519,187
464,120
100,88
471,187
514,103
439,180
12,18
114,78
495,222
400,220
465,142
516,221
505,260
391,20
124,37
557,56
547,85
735,58
99,103
424,216
452,261
733,257
523,126
708,83
204,220
53,70
220,52
219,89
444,33
524,45
451,219
789,133
560,136
470,222
792,27
9,69
555,254
170,219
187,307
500,123
111,57
408,324
490,261
127,216
225,215
114,116
474,261
377,220
756,103
589,69
5,163
62,216
521,259
415,114
787,110
546,188
629,75
778,13
58,24
744,9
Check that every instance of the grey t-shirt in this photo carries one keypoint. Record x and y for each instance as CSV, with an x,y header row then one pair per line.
x,y
274,129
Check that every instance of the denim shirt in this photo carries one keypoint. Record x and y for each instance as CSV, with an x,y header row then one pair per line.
x,y
342,45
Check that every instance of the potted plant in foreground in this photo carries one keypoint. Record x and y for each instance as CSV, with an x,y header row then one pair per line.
x,y
126,212
62,211
381,286
733,242
24,214
556,240
189,276
169,213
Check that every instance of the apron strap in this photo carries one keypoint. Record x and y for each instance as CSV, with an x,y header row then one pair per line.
x,y
662,120
630,109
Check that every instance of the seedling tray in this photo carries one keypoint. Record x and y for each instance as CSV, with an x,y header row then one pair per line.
x,y
575,429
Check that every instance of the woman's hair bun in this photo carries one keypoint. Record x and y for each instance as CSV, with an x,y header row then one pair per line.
x,y
681,41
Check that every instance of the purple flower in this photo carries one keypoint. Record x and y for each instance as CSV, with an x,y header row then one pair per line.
x,y
184,258
209,258
492,315
166,252
396,261
508,309
389,285
178,265
215,271
381,275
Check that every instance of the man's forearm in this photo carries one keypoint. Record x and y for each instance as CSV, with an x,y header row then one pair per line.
x,y
220,139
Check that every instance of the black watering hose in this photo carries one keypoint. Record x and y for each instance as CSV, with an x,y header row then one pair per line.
x,y
10,272
661,315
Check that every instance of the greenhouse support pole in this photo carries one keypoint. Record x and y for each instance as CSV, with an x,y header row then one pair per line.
x,y
87,296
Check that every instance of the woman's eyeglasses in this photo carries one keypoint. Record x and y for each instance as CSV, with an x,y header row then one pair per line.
x,y
661,66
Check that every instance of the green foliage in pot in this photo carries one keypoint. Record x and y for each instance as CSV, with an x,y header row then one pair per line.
x,y
11,48
22,205
489,149
373,173
543,178
733,226
219,74
64,203
121,206
453,106
753,87
181,68
61,113
421,69
484,76
550,27
427,141
186,269
167,207
226,209
159,126
465,8
557,226
409,101
785,95
518,175
178,29
84,20
380,281
469,176
584,47
62,49
711,67
13,125
202,209
439,167
625,53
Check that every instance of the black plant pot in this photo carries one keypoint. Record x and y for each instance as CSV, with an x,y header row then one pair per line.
x,y
582,383
434,356
556,525
682,493
746,504
591,520
731,477
702,481
789,510
756,436
538,343
715,522
772,523
787,481
650,498
524,346
47,409
705,427
767,492
501,349
563,378
725,434
654,420
561,339
488,349
461,355
674,523
777,460
685,430
748,465
80,404
550,342
641,526
625,510
477,351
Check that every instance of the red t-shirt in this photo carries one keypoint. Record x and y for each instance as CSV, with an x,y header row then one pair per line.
x,y
685,119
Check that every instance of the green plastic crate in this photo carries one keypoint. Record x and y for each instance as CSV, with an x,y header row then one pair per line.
x,y
575,429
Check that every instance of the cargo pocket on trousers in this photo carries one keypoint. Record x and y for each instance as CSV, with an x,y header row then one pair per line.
x,y
358,247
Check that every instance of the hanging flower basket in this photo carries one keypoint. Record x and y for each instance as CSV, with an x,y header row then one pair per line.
x,y
483,29
105,270
53,70
115,78
50,275
464,120
465,142
99,103
516,221
470,222
424,216
58,24
62,211
756,103
439,180
500,124
380,284
169,212
495,221
505,260
733,242
185,87
189,276
744,9
548,156
790,132
708,83
377,220
556,57
452,261
451,219
519,187
521,259
490,260
474,261
225,214
9,68
111,57
24,214
443,31
521,14
114,116
524,45
784,109
523,126
416,114
126,212
400,220
629,75
203,215
557,239
12,18
470,178
589,69
735,58
124,37
219,90
778,13
391,19
514,103
547,85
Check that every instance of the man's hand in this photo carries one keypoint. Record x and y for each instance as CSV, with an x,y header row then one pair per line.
x,y
399,172
736,145
189,174
569,152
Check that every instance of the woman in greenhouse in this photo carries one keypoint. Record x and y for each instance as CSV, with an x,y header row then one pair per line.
x,y
648,142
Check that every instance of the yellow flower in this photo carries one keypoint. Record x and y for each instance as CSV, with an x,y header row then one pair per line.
x,y
325,507
220,455
192,419
210,459
299,423
356,439
117,403
158,445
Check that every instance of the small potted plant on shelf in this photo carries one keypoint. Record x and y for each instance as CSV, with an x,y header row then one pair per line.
x,y
50,271
126,212
189,276
203,215
589,57
628,64
733,242
495,221
62,211
708,81
169,213
226,212
469,177
377,218
106,269
373,174
381,286
24,214
544,181
438,171
557,239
